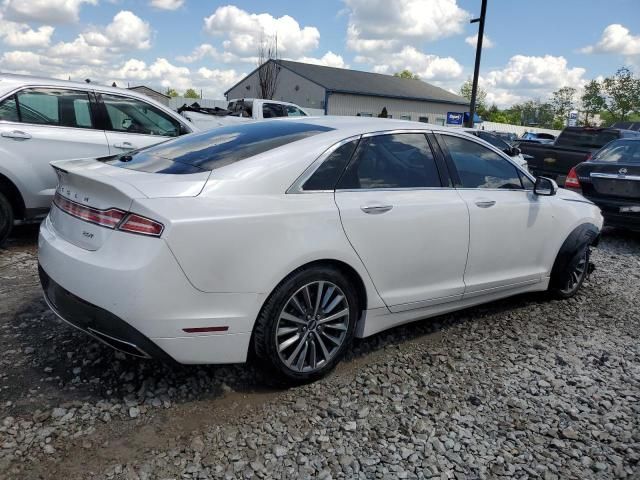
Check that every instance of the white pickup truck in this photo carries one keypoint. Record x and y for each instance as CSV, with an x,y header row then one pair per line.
x,y
239,110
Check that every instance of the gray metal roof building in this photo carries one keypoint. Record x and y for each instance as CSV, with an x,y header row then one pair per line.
x,y
339,91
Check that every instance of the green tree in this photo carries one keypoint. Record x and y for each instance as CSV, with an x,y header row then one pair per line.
x,y
172,92
384,113
621,93
481,97
592,100
191,93
563,101
407,74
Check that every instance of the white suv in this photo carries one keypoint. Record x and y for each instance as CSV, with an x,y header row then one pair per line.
x,y
43,119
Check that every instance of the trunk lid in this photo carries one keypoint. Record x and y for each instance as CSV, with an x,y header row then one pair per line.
x,y
102,187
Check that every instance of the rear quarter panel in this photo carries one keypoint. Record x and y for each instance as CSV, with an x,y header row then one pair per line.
x,y
249,243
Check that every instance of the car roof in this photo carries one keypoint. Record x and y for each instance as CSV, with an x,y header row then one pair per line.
x,y
11,81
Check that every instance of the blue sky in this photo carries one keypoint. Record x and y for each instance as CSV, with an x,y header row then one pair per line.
x,y
534,47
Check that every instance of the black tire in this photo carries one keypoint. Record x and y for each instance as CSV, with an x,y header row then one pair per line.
x,y
265,338
6,219
566,282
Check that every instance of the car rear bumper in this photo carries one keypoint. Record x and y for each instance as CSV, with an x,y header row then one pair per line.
x,y
132,294
614,216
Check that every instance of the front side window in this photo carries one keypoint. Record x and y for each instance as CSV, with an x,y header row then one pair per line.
x,y
293,111
392,161
479,167
327,175
131,115
49,106
273,110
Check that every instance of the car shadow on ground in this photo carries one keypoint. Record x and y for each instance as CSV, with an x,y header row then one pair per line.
x,y
54,363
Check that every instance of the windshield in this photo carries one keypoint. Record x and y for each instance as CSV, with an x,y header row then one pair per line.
x,y
588,138
620,151
216,148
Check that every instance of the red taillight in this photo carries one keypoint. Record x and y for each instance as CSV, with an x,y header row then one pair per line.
x,y
109,218
144,226
572,179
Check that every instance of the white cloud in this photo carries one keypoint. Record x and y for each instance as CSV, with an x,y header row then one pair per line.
x,y
21,35
329,59
215,82
375,25
206,50
126,31
526,77
428,67
473,41
616,39
243,32
167,4
44,11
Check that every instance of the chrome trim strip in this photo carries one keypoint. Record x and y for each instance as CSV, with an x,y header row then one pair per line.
x,y
615,176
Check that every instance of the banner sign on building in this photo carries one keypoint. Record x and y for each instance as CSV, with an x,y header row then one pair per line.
x,y
454,118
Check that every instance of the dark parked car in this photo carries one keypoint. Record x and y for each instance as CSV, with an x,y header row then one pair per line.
x,y
573,145
611,179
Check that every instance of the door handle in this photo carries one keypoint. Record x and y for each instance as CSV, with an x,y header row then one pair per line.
x,y
376,209
17,134
485,203
124,145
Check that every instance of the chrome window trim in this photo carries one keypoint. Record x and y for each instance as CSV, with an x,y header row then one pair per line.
x,y
615,176
296,187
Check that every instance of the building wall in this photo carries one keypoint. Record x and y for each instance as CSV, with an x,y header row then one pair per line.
x,y
307,94
436,113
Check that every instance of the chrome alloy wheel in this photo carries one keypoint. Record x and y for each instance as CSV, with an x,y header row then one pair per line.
x,y
578,273
312,326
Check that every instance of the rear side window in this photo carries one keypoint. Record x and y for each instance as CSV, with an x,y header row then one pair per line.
x,y
392,161
620,151
131,115
9,110
217,148
479,167
327,175
47,106
587,138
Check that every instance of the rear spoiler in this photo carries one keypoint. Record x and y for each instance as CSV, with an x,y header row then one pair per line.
x,y
195,107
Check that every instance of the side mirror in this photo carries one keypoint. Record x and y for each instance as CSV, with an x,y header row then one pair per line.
x,y
183,129
545,187
512,151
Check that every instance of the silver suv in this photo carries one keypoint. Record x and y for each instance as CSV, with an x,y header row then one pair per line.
x,y
43,119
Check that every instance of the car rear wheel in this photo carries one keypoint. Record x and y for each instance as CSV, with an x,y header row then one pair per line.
x,y
306,325
6,218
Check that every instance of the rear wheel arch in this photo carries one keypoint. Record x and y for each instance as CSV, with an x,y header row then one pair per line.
x,y
12,194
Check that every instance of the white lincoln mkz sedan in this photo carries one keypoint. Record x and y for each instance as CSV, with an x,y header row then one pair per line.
x,y
289,238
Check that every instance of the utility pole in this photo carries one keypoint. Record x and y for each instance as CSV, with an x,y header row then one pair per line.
x,y
476,69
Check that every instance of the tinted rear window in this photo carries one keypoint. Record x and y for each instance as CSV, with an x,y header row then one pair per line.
x,y
586,138
620,151
216,148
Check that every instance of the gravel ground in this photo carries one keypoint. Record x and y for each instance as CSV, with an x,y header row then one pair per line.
x,y
522,388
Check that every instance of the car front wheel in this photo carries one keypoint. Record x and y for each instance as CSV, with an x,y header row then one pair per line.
x,y
307,324
571,279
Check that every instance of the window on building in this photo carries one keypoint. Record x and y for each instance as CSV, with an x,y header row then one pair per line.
x,y
405,117
479,167
423,119
364,114
440,121
392,161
